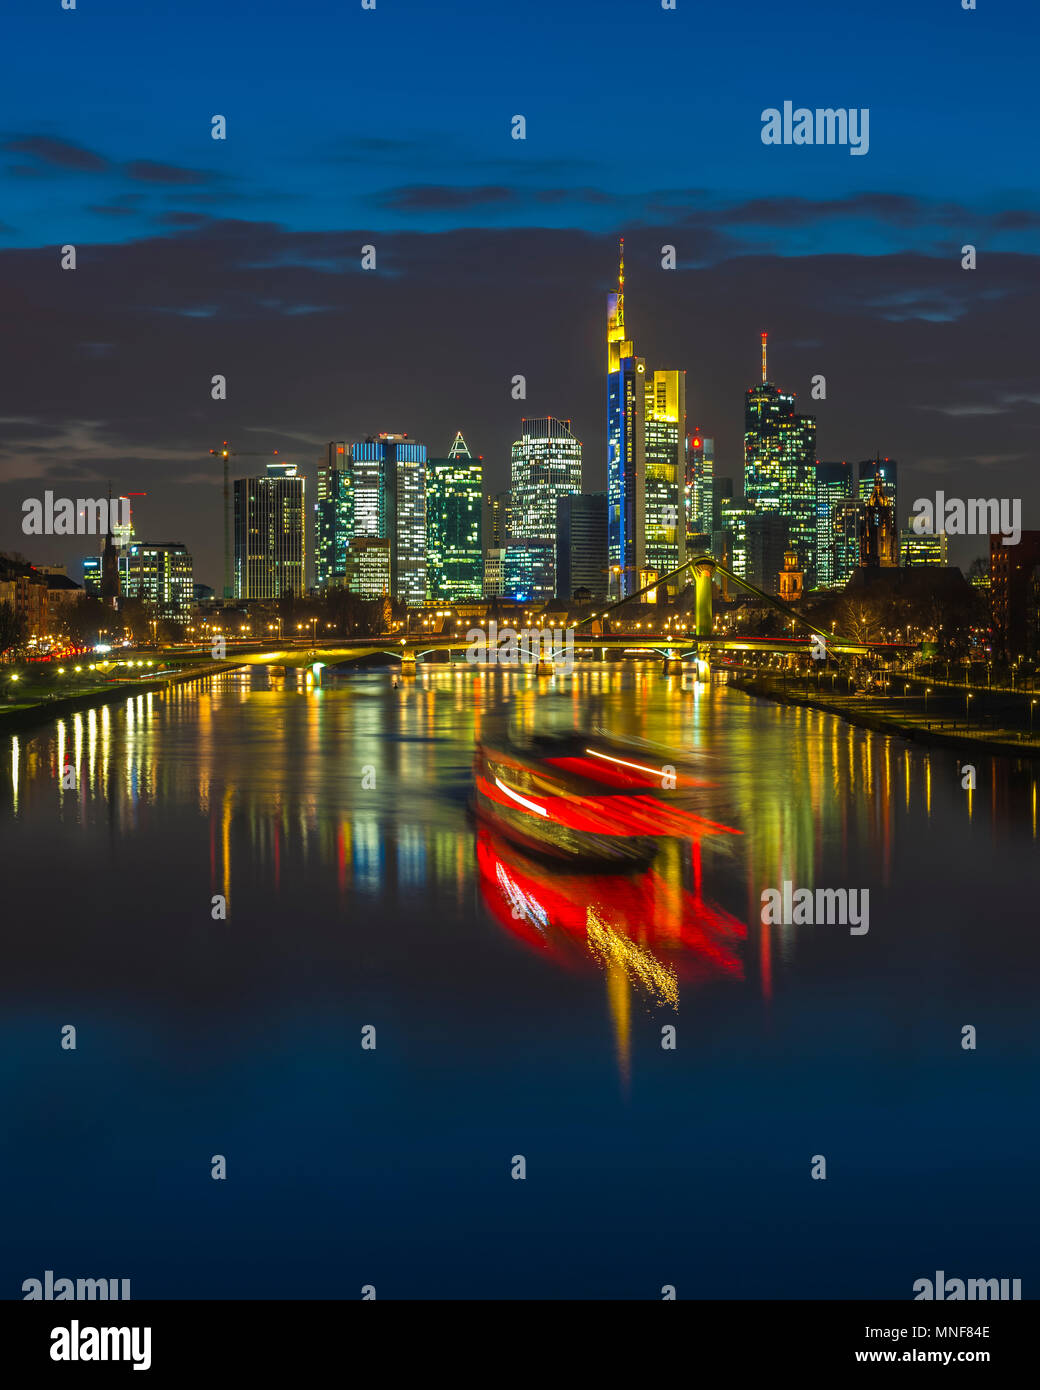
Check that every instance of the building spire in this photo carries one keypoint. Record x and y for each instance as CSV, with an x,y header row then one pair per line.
x,y
765,377
621,285
459,447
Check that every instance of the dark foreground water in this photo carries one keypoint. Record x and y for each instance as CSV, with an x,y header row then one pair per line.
x,y
517,1012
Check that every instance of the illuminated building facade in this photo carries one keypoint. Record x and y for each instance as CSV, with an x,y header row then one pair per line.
x,y
530,570
333,515
367,566
546,465
498,509
161,575
766,540
664,418
835,485
269,543
454,517
730,539
700,486
780,464
1014,596
495,571
389,472
626,446
92,576
887,470
931,549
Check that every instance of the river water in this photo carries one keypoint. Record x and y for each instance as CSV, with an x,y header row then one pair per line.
x,y
518,1012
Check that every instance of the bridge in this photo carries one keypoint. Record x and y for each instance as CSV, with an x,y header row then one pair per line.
x,y
673,647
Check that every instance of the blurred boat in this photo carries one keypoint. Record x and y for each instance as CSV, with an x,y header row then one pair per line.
x,y
581,798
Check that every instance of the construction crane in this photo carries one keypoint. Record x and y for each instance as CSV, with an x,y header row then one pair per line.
x,y
225,452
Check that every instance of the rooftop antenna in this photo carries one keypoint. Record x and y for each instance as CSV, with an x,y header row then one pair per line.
x,y
621,284
765,378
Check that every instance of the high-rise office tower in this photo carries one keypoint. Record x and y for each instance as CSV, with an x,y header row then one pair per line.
x,y
546,466
333,515
160,573
269,542
780,464
835,485
529,570
498,508
846,527
581,545
367,571
626,447
664,418
389,473
700,485
454,507
730,538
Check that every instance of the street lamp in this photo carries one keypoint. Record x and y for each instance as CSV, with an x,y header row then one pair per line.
x,y
967,708
927,692
1031,704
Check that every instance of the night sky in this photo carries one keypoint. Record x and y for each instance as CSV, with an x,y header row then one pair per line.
x,y
392,126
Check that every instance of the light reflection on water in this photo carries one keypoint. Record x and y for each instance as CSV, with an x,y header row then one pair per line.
x,y
335,823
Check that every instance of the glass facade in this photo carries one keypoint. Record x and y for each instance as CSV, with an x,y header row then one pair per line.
x,y
269,544
530,570
454,518
581,545
546,465
834,487
333,514
161,575
389,472
665,455
780,466
700,485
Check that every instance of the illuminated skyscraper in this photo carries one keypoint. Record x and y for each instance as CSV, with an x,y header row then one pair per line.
x,y
498,508
269,543
626,446
700,485
389,472
780,464
333,515
665,455
888,469
835,484
454,507
546,466
161,575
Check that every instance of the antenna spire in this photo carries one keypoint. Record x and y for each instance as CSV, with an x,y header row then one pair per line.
x,y
621,284
765,378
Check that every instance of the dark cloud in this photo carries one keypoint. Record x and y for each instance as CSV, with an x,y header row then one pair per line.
x,y
149,171
63,154
430,342
427,197
109,210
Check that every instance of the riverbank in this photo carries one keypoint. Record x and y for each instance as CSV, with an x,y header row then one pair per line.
x,y
15,717
944,717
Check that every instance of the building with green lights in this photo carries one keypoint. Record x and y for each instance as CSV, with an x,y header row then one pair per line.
x,y
780,464
454,518
333,515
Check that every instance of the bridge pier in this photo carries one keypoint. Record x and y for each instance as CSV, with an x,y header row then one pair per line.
x,y
408,665
545,668
672,665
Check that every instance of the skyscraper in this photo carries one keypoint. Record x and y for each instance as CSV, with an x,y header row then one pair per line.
x,y
700,485
929,549
269,542
498,508
626,446
780,464
389,473
160,573
454,507
766,541
665,484
581,545
834,487
546,465
333,514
